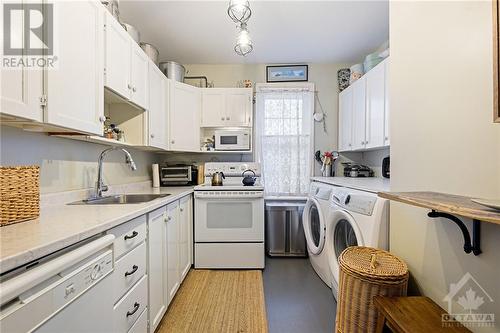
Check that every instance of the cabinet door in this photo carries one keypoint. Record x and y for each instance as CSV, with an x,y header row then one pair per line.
x,y
359,114
387,140
213,107
173,276
157,112
21,87
375,106
186,243
75,89
117,58
138,75
238,107
184,122
157,263
345,119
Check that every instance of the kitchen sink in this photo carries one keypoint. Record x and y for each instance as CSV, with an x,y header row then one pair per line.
x,y
120,199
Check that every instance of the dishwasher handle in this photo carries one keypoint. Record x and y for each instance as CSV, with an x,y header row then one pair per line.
x,y
17,285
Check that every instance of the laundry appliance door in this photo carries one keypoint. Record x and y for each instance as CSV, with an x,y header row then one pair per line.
x,y
314,226
343,233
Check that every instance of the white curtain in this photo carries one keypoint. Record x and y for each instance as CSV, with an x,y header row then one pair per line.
x,y
284,139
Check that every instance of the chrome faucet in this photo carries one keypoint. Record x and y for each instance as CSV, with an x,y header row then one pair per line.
x,y
100,186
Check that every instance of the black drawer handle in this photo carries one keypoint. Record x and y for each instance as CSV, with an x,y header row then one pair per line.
x,y
134,234
136,307
134,269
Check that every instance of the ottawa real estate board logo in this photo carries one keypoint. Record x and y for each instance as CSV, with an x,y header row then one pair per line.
x,y
465,300
28,35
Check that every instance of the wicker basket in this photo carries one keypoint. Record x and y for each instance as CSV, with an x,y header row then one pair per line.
x,y
366,272
19,194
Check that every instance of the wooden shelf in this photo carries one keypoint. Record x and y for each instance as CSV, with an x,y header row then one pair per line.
x,y
446,203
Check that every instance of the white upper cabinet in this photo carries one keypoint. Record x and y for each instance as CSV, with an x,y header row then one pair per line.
x,y
359,114
226,107
238,107
184,120
375,106
22,90
364,111
138,75
157,112
213,107
126,65
75,95
345,120
117,57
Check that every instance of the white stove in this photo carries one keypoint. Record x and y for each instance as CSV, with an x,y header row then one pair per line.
x,y
229,223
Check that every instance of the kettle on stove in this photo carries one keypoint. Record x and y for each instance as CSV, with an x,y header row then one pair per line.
x,y
248,180
217,178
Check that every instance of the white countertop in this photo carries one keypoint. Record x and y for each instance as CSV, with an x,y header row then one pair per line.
x,y
61,225
369,184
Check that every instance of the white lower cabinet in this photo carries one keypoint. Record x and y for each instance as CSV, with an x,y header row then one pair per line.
x,y
185,235
173,276
130,307
157,260
130,278
170,243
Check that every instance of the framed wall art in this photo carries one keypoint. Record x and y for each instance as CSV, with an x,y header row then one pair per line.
x,y
287,73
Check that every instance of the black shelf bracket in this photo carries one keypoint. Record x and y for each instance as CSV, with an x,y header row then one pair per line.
x,y
473,246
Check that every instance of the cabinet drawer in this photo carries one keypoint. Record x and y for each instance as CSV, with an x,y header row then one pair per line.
x,y
128,270
126,312
141,325
129,235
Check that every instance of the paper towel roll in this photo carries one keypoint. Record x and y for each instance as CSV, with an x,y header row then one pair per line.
x,y
156,175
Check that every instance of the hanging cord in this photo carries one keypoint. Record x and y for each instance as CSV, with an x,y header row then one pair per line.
x,y
316,98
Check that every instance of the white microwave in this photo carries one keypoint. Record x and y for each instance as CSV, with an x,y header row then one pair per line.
x,y
232,139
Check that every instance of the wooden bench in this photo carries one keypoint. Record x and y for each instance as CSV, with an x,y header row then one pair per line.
x,y
412,315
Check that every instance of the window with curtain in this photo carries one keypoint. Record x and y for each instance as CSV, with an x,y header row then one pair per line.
x,y
284,137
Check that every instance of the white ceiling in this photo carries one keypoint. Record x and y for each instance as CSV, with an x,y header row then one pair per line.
x,y
282,31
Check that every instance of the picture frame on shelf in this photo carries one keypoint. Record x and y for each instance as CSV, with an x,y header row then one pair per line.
x,y
287,73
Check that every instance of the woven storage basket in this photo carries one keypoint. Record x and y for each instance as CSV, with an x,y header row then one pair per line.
x,y
19,194
366,272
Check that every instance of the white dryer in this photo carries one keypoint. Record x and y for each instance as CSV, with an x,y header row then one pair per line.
x,y
356,218
314,220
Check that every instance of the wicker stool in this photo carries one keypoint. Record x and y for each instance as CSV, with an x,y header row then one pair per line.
x,y
366,272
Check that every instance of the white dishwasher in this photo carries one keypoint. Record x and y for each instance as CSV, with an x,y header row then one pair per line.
x,y
71,292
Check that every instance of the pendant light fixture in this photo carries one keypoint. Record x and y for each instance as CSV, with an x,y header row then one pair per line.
x,y
239,11
243,41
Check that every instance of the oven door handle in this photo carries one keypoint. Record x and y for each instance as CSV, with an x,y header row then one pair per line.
x,y
207,196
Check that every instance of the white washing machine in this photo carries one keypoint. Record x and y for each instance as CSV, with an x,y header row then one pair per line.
x,y
314,220
356,218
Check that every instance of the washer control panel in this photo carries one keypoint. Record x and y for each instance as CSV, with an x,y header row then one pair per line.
x,y
354,202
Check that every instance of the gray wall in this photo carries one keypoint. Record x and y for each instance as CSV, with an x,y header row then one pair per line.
x,y
68,164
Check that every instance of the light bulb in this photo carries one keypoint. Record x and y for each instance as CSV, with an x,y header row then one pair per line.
x,y
243,41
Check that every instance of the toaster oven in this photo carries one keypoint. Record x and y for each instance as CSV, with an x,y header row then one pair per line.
x,y
178,175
